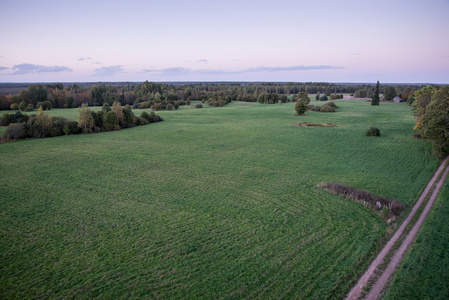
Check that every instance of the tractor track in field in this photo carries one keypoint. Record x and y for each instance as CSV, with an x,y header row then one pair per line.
x,y
375,279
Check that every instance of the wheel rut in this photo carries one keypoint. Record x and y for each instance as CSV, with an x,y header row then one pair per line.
x,y
379,278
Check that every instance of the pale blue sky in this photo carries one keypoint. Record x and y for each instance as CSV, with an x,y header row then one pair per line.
x,y
333,41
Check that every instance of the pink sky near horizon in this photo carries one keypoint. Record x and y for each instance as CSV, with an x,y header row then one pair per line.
x,y
344,41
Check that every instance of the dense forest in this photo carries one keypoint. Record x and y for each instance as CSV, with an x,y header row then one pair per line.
x,y
168,95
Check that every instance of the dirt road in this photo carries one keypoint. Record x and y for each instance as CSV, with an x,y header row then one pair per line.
x,y
379,285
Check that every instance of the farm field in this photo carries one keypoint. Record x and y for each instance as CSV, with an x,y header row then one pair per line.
x,y
211,203
424,271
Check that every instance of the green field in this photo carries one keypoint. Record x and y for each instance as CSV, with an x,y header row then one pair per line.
x,y
424,272
211,203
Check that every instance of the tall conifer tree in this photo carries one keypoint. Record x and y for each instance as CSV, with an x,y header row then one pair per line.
x,y
376,98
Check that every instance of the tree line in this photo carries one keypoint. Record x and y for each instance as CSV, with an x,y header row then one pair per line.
x,y
165,96
42,125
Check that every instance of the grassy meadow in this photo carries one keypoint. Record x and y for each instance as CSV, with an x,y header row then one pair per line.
x,y
211,203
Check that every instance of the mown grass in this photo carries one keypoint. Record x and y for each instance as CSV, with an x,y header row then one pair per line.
x,y
211,203
424,271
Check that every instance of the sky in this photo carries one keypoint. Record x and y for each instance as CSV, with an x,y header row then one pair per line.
x,y
394,41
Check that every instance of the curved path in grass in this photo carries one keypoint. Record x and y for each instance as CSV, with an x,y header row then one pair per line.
x,y
380,283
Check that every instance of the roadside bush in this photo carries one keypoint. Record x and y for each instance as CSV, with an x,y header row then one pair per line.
x,y
395,207
15,131
373,131
198,106
363,197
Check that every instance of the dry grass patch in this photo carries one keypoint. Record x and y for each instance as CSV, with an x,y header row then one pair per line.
x,y
310,124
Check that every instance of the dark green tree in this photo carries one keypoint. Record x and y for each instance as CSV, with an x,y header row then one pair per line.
x,y
435,122
302,103
390,92
376,98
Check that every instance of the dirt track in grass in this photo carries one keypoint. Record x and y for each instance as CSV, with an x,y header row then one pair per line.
x,y
379,281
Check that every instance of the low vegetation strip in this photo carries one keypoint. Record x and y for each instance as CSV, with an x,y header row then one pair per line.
x,y
368,199
358,290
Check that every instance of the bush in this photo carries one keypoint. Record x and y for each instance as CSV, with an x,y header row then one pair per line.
x,y
110,121
15,131
362,196
151,117
199,106
324,98
22,106
128,117
14,106
71,127
157,106
315,108
327,108
332,104
141,121
29,108
373,131
46,105
57,126
5,120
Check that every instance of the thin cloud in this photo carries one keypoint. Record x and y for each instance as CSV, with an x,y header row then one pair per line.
x,y
3,68
356,54
293,68
178,71
108,71
84,58
96,63
22,69
202,60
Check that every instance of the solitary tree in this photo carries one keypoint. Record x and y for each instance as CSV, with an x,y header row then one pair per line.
x,y
376,98
302,103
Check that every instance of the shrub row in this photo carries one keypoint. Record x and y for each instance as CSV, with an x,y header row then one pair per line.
x,y
42,125
365,197
327,107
